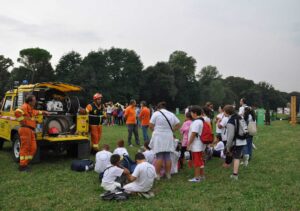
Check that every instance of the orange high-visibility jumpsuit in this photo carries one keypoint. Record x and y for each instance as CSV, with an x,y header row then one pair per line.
x,y
95,120
25,115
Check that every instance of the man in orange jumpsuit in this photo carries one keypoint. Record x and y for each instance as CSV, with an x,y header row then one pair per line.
x,y
95,111
26,116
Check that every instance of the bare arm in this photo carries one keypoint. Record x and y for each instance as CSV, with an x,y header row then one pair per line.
x,y
151,126
176,127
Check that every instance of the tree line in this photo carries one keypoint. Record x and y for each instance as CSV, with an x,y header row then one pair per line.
x,y
120,75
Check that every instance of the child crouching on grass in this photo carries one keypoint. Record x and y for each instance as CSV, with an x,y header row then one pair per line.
x,y
195,145
142,179
112,173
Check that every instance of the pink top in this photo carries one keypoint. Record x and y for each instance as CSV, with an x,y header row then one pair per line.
x,y
184,130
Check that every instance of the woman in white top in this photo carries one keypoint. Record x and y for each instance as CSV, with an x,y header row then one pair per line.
x,y
163,123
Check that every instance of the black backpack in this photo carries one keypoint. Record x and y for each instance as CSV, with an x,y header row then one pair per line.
x,y
241,128
82,165
119,195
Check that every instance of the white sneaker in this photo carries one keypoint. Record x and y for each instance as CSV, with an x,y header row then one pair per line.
x,y
234,177
130,145
168,176
157,177
194,180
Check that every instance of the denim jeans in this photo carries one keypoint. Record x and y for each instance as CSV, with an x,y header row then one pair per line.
x,y
133,128
248,147
145,133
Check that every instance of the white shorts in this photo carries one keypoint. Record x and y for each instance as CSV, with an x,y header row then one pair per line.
x,y
133,188
110,186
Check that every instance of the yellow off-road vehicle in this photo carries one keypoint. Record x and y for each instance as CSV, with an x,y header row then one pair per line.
x,y
61,101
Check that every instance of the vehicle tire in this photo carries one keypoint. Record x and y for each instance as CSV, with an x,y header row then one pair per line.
x,y
16,143
1,143
72,150
84,150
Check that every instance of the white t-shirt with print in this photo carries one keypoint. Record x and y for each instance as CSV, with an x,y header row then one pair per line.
x,y
145,175
102,160
121,151
111,174
196,127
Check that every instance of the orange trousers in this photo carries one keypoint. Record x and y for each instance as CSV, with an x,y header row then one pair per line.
x,y
96,132
28,145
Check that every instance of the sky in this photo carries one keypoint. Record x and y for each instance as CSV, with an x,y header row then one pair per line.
x,y
254,39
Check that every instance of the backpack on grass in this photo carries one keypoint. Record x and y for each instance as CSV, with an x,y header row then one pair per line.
x,y
82,165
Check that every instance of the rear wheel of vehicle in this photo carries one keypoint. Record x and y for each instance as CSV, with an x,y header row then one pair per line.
x,y
16,144
84,150
72,150
1,143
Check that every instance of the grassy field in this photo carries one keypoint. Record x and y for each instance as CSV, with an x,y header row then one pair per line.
x,y
271,182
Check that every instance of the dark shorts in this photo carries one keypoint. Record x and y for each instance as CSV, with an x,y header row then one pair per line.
x,y
166,156
237,152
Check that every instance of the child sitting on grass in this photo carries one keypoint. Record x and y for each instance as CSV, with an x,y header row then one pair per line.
x,y
217,150
142,179
102,159
112,173
121,150
148,153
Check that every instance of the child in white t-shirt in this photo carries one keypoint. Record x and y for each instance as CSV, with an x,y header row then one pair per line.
x,y
121,150
142,178
195,145
217,150
112,172
148,153
102,159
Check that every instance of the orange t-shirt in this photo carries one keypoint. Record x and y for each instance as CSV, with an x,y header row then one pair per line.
x,y
145,116
130,115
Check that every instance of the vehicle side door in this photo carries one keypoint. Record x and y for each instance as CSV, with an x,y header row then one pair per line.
x,y
5,115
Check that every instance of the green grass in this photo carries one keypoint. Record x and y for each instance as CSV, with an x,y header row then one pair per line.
x,y
271,182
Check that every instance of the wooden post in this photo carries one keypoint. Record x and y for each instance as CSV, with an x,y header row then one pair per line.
x,y
293,111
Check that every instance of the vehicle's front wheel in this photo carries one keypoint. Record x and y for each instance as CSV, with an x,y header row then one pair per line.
x,y
16,144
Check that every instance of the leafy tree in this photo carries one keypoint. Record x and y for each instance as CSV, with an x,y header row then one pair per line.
x,y
67,67
216,92
159,84
5,64
37,61
206,76
124,68
184,68
93,76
